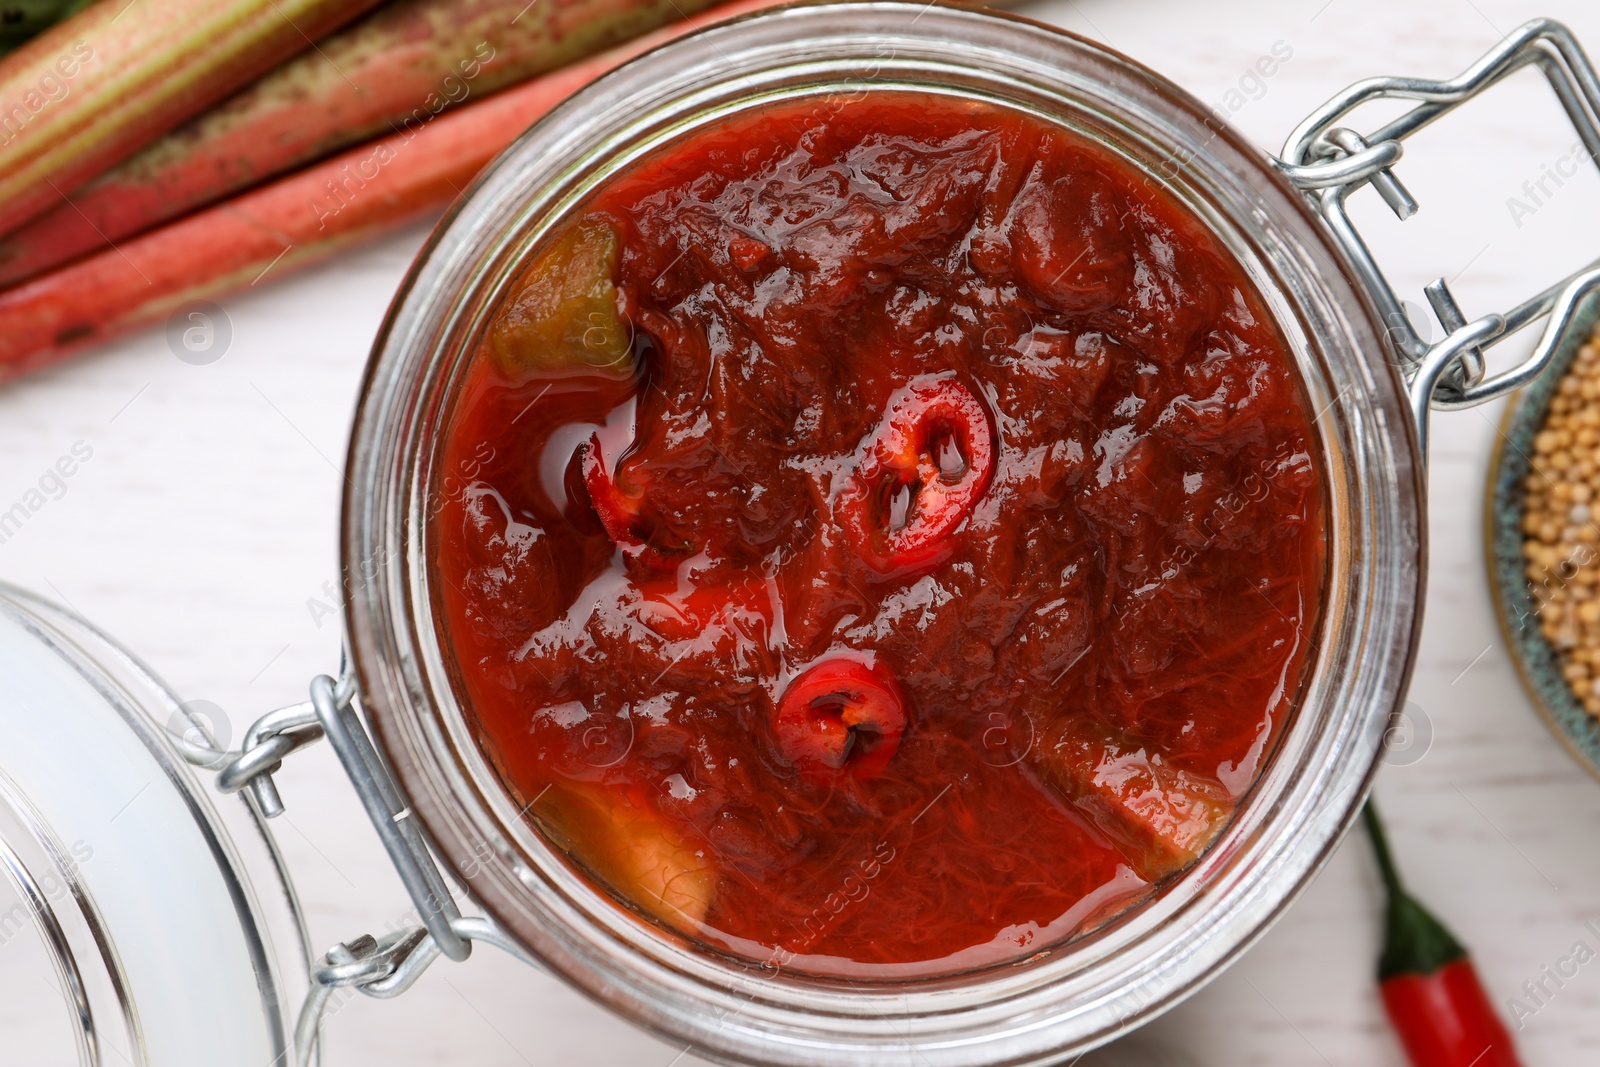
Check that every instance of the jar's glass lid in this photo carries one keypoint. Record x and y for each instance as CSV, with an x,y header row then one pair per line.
x,y
142,919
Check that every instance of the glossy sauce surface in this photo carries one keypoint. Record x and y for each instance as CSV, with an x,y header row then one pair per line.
x,y
880,533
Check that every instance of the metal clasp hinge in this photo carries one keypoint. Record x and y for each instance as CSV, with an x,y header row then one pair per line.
x,y
384,968
251,766
1328,162
377,967
331,713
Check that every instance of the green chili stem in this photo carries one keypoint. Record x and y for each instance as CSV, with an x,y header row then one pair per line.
x,y
1380,847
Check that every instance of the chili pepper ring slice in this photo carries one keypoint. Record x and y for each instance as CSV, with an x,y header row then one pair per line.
x,y
919,477
841,714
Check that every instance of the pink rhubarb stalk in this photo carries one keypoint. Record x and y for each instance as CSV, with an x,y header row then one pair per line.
x,y
90,91
394,69
289,223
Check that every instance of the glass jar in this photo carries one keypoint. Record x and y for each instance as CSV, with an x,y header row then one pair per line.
x,y
1066,997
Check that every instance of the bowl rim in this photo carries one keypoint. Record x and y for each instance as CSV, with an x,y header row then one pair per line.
x,y
1532,656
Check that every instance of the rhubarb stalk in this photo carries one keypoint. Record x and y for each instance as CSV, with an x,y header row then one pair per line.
x,y
88,92
394,69
289,223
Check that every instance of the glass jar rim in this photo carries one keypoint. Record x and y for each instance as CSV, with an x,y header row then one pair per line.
x,y
1099,985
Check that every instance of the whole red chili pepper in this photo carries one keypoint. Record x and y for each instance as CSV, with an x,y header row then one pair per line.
x,y
1430,988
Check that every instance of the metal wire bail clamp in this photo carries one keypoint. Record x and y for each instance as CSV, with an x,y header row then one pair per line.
x,y
1328,162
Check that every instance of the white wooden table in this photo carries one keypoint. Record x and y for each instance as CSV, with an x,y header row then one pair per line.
x,y
202,531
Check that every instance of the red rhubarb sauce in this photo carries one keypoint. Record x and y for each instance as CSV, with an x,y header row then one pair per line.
x,y
879,536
